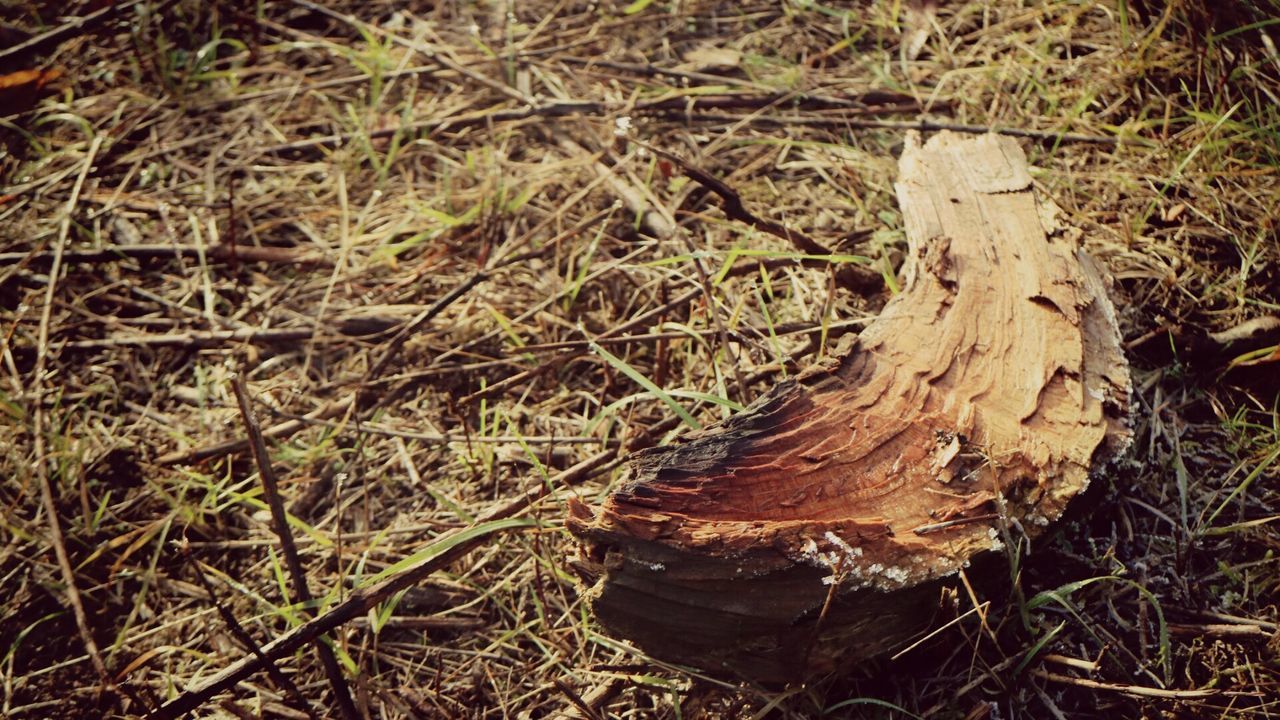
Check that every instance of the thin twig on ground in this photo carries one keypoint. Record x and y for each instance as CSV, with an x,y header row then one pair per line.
x,y
297,575
198,338
43,462
72,28
1138,690
243,253
233,624
854,277
281,430
589,704
924,125
393,348
438,438
362,600
576,700
690,107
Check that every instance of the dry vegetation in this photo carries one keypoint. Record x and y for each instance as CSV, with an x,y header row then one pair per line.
x,y
292,193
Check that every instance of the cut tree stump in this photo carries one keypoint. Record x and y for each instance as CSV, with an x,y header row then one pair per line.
x,y
818,526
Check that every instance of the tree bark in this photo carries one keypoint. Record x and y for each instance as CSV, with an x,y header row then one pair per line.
x,y
818,526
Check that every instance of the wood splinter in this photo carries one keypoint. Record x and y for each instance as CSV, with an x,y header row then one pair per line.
x,y
816,528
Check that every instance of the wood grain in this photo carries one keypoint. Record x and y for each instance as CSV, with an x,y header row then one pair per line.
x,y
817,527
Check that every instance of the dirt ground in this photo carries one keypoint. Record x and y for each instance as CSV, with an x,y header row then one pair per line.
x,y
438,244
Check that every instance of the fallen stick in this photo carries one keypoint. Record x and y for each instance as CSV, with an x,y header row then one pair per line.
x,y
43,461
114,253
72,28
226,447
1135,690
293,563
299,701
856,278
451,546
686,107
923,124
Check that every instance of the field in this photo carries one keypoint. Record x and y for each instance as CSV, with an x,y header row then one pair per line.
x,y
454,257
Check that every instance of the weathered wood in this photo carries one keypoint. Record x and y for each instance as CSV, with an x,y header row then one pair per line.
x,y
818,526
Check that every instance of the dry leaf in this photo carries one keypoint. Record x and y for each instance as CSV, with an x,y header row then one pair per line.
x,y
711,59
1172,214
19,90
1257,357
919,23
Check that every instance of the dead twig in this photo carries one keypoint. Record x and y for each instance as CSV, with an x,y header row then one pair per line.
x,y
922,125
578,703
733,207
72,28
197,338
298,576
284,429
397,342
350,327
1221,630
690,107
588,705
1137,690
455,544
246,639
243,253
441,439
875,101
42,461
853,277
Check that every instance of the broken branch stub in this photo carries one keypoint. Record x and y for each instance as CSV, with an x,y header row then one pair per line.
x,y
817,526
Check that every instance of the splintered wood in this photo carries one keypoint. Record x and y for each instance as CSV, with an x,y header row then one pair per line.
x,y
818,526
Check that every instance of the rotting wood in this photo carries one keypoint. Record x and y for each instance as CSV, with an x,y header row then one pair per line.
x,y
817,527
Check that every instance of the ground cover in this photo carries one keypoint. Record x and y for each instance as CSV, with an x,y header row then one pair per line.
x,y
454,254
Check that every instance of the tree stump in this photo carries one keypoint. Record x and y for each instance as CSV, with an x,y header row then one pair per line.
x,y
818,526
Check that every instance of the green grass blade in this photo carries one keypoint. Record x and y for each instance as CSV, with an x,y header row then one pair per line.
x,y
621,366
447,543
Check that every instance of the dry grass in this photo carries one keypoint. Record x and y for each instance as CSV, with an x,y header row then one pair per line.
x,y
390,152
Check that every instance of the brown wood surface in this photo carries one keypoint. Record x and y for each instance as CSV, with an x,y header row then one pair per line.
x,y
817,527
